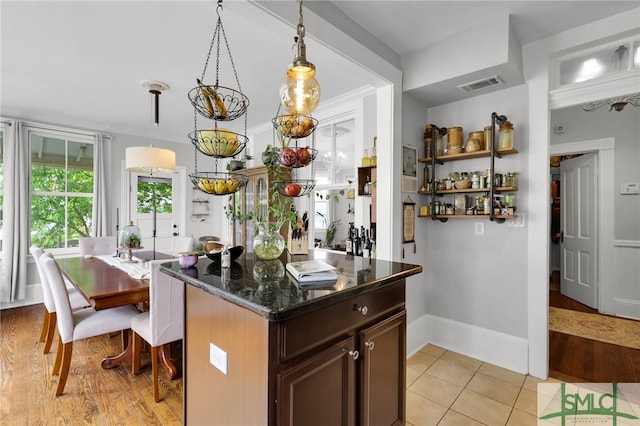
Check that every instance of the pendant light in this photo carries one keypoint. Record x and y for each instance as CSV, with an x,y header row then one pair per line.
x,y
149,159
299,90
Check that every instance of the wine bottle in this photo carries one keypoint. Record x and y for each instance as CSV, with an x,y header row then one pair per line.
x,y
357,244
366,245
349,242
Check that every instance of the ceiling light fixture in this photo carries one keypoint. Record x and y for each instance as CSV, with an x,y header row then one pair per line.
x,y
148,159
614,104
299,90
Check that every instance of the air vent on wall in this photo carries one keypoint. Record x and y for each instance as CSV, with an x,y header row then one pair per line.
x,y
481,84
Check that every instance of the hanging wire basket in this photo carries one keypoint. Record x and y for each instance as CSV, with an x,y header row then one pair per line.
x,y
294,157
215,183
294,126
294,188
218,142
218,102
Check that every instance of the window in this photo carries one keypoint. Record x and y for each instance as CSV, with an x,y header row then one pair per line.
x,y
597,63
61,188
154,191
334,170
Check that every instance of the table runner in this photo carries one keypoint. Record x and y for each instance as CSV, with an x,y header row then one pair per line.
x,y
134,269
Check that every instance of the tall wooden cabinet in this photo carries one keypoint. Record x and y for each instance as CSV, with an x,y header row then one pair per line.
x,y
254,198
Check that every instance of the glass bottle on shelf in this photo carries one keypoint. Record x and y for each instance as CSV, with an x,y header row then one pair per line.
x,y
366,161
374,157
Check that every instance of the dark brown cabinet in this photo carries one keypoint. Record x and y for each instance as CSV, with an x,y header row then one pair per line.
x,y
382,371
320,390
342,363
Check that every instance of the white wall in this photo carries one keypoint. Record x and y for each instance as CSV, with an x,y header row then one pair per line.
x,y
474,285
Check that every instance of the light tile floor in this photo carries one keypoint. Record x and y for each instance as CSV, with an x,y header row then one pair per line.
x,y
445,389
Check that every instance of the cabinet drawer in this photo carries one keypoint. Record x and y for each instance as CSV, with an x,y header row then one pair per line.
x,y
315,328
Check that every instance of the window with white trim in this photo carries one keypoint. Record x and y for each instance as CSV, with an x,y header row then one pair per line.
x,y
62,173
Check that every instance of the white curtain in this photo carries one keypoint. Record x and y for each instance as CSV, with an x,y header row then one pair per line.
x,y
15,240
100,178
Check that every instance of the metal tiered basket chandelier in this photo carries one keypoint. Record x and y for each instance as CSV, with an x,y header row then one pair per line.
x,y
220,104
289,131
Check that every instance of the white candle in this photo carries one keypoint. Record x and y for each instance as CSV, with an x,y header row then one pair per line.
x,y
117,218
154,219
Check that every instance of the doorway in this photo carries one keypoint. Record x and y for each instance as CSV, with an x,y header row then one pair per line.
x,y
156,202
569,342
603,148
573,227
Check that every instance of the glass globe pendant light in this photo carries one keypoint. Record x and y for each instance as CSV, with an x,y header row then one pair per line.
x,y
299,90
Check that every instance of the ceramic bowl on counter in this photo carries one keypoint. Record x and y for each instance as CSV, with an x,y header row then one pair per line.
x,y
187,259
213,250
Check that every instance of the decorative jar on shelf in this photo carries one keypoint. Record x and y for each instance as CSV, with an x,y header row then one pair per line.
x,y
268,244
505,138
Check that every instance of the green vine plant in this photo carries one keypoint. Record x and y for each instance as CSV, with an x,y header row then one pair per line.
x,y
281,207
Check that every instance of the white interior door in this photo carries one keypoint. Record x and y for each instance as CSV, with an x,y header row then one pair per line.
x,y
162,191
578,224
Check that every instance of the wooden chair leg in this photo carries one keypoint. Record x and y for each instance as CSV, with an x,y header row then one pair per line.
x,y
165,357
154,373
67,349
45,325
56,364
137,351
50,332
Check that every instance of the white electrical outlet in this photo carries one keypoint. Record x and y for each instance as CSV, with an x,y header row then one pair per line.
x,y
516,222
218,358
479,228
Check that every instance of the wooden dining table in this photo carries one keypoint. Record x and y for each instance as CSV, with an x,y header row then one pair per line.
x,y
106,286
103,285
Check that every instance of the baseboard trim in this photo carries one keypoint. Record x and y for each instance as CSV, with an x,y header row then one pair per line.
x,y
486,345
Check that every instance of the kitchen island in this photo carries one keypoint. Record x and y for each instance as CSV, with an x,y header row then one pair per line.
x,y
262,349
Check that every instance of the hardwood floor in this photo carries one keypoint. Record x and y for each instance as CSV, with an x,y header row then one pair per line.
x,y
576,359
92,395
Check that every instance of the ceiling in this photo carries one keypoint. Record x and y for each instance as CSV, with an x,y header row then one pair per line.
x,y
83,63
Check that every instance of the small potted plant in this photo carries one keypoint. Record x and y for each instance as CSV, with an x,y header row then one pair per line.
x,y
130,236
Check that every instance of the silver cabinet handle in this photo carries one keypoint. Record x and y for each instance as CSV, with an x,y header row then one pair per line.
x,y
362,309
354,354
370,344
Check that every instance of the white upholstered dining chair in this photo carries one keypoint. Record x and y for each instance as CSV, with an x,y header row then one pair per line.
x,y
95,246
182,244
78,325
76,299
161,324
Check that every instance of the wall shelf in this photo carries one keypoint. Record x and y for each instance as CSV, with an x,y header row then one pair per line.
x,y
495,214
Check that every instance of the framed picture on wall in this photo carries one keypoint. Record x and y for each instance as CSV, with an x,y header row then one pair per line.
x,y
409,168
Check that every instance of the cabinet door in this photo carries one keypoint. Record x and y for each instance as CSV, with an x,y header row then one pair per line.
x,y
382,372
320,390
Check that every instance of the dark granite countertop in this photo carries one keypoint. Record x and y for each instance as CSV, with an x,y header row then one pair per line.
x,y
265,288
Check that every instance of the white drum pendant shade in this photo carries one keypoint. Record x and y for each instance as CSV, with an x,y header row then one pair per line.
x,y
148,159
